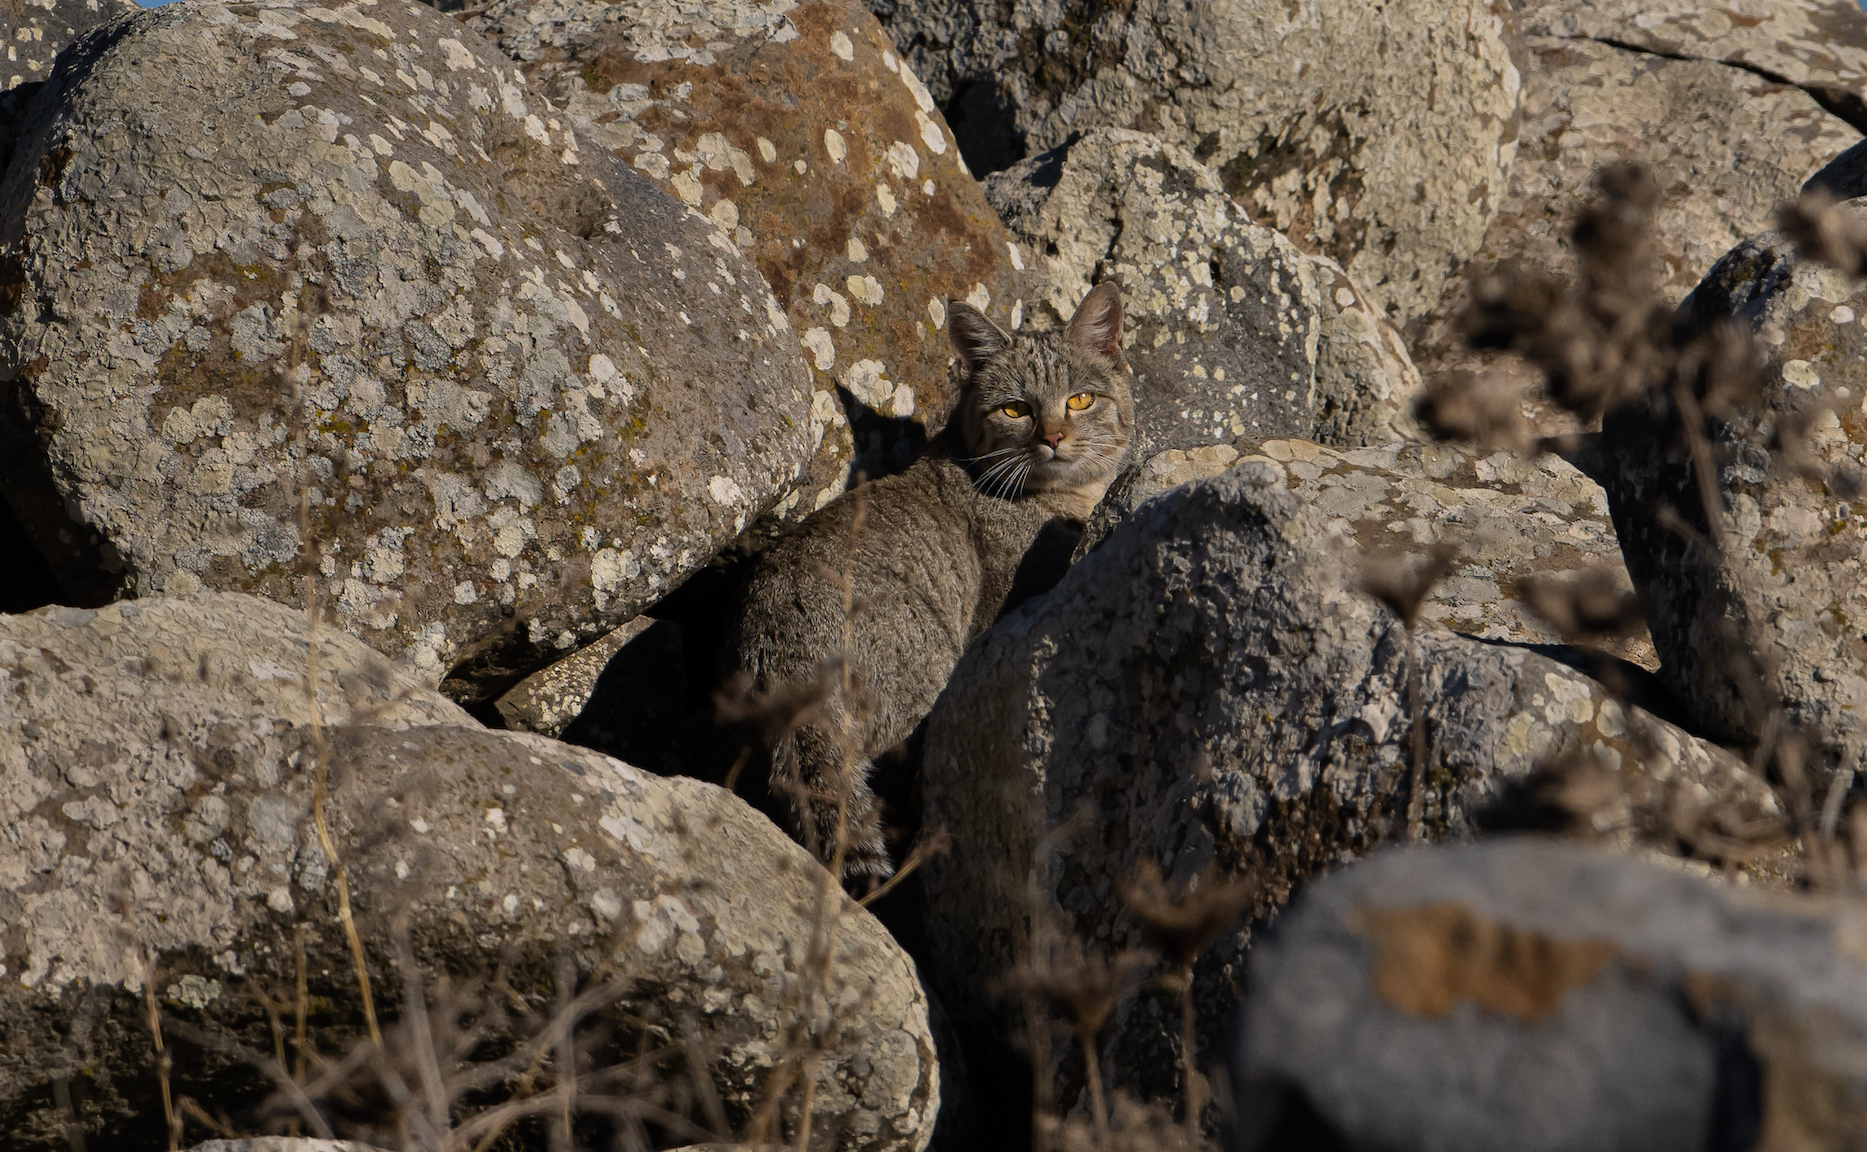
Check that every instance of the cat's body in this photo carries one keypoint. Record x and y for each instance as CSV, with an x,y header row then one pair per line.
x,y
931,557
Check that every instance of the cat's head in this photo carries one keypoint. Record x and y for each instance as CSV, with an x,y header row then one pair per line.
x,y
1043,413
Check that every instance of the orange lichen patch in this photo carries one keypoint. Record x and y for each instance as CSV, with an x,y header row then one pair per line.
x,y
1430,959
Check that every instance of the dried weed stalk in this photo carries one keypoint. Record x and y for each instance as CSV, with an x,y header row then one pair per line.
x,y
1403,583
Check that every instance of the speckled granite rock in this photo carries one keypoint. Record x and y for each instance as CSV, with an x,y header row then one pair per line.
x,y
550,698
799,131
35,31
1208,688
540,390
165,811
1725,144
1306,109
1514,517
1230,328
1536,996
1789,578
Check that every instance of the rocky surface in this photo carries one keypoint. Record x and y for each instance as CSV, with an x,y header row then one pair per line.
x,y
170,819
1210,688
1438,997
535,390
1785,579
282,1144
1390,171
1515,519
36,31
549,699
1678,88
799,130
1230,328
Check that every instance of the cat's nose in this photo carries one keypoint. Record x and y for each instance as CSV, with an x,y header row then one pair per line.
x,y
1053,439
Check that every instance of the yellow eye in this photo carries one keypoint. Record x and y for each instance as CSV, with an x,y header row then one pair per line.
x,y
1017,410
1081,401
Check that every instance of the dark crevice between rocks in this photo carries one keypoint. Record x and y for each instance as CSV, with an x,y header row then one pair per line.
x,y
85,570
983,120
26,580
1840,102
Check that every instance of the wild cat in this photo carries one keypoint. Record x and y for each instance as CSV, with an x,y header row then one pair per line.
x,y
1037,432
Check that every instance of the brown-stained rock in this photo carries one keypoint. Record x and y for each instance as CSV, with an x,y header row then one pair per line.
x,y
1231,330
533,390
1724,144
1785,578
153,809
1532,995
799,130
1515,520
1379,135
1210,688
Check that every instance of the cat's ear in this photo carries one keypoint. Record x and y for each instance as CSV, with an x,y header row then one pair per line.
x,y
1097,323
974,337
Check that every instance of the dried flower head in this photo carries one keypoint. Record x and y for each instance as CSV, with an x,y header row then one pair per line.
x,y
1402,581
1466,408
1822,233
1182,923
1591,608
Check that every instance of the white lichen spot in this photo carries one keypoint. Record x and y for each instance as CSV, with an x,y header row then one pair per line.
x,y
927,187
838,304
1800,374
1017,315
936,311
724,491
980,297
865,289
834,145
496,820
687,188
767,151
458,58
465,593
1017,258
885,196
931,134
817,342
800,166
840,47
725,214
858,251
903,160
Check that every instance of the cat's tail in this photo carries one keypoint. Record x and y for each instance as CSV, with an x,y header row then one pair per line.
x,y
823,787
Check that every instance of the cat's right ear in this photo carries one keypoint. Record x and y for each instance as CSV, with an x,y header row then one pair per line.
x,y
974,337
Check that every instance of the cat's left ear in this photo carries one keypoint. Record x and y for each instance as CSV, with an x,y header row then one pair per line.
x,y
1097,323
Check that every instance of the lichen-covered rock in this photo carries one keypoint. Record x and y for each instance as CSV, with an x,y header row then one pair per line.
x,y
1786,580
151,808
1531,995
550,698
1231,329
1513,517
1209,688
36,31
802,133
1724,144
282,1144
1378,134
251,248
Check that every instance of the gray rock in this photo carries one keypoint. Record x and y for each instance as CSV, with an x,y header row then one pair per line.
x,y
537,391
1725,145
1209,688
148,812
1536,996
549,699
36,31
1786,579
1380,136
282,1144
1230,328
1514,518
800,131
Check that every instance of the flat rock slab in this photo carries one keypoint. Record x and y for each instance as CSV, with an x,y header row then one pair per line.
x,y
1725,145
1514,518
548,700
806,137
1231,329
1786,580
353,255
1206,688
155,814
1306,109
1537,996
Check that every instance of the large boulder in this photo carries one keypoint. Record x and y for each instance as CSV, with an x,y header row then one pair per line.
x,y
1209,688
1230,328
1705,101
1764,609
163,811
253,250
1379,135
36,31
801,132
1519,522
1538,996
